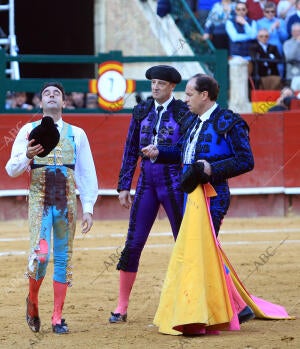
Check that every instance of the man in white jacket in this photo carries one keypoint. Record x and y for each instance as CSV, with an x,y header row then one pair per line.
x,y
55,171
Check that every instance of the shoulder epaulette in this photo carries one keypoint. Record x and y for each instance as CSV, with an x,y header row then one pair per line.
x,y
182,115
225,120
141,110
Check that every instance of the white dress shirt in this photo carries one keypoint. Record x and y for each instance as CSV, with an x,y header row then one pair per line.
x,y
189,152
85,172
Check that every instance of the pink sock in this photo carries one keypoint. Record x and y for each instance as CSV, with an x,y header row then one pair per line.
x,y
60,291
127,279
34,286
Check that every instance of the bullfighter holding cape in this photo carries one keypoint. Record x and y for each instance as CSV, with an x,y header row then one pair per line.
x,y
202,292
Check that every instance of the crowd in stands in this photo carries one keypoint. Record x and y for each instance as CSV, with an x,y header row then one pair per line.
x,y
265,33
73,100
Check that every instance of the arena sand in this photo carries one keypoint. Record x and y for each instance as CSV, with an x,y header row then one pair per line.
x,y
247,242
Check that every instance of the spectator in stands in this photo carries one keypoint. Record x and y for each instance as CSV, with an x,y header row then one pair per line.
x,y
241,31
295,18
215,23
69,101
285,9
163,7
92,101
275,26
284,100
255,8
9,99
291,48
204,6
264,59
36,101
78,99
20,101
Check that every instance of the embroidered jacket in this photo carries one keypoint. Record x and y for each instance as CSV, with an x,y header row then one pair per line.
x,y
223,142
174,122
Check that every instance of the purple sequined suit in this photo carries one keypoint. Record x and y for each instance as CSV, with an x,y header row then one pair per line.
x,y
157,183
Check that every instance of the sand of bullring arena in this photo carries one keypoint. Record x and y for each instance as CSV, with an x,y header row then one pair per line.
x,y
264,252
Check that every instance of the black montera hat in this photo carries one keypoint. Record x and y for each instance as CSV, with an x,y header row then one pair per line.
x,y
163,72
46,134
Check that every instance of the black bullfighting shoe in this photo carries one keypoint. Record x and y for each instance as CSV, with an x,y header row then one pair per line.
x,y
245,315
33,322
61,328
117,318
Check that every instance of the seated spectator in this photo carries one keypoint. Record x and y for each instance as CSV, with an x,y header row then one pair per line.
x,y
265,58
284,105
36,101
241,31
69,101
283,102
163,8
20,101
255,8
285,9
8,99
92,101
215,23
295,18
204,6
78,99
275,26
291,49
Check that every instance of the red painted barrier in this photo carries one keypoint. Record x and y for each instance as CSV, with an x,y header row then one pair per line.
x,y
106,133
274,140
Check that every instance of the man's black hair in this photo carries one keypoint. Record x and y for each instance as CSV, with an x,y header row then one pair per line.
x,y
55,84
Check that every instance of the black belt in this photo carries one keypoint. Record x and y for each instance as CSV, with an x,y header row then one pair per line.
x,y
33,166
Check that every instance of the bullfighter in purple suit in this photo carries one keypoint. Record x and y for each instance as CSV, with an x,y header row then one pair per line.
x,y
160,120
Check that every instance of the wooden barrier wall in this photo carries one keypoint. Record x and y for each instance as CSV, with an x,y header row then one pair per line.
x,y
274,139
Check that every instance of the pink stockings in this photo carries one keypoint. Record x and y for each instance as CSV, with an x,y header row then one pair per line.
x,y
60,291
126,282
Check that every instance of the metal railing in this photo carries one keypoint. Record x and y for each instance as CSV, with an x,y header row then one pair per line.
x,y
190,27
192,31
217,59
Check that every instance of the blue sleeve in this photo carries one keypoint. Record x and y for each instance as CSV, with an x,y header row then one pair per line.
x,y
169,154
282,31
250,32
242,160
